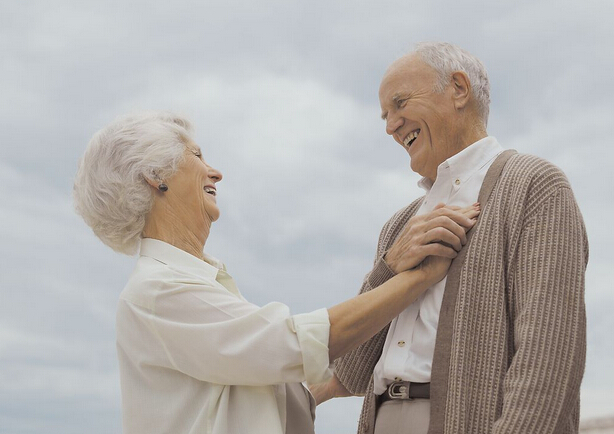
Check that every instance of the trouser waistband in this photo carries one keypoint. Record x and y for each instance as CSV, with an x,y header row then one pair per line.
x,y
406,390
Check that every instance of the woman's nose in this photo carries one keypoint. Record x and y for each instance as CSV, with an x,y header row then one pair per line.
x,y
215,174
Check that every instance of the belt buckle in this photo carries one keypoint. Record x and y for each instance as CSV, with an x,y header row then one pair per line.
x,y
398,390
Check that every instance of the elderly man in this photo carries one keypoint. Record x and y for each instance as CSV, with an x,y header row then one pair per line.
x,y
499,345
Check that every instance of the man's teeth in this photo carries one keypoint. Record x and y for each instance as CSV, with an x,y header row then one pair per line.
x,y
410,138
210,190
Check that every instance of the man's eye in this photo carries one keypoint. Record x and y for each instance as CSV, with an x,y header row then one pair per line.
x,y
401,102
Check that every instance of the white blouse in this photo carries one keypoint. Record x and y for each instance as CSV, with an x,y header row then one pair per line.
x,y
196,357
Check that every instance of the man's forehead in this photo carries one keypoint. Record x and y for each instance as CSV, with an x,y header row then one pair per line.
x,y
392,86
402,74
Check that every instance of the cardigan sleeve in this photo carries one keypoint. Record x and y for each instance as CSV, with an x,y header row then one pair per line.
x,y
355,369
542,383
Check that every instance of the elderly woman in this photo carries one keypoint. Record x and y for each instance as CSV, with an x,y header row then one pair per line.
x,y
194,355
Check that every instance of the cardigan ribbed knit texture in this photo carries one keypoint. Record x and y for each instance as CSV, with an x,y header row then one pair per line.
x,y
511,338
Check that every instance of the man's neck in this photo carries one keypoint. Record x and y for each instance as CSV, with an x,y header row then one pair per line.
x,y
468,138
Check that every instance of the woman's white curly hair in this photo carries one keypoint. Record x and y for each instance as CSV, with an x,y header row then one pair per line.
x,y
110,191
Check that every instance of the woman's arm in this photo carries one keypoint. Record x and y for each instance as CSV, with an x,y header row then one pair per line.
x,y
206,332
356,320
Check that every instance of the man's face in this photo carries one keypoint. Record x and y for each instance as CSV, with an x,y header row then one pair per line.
x,y
419,119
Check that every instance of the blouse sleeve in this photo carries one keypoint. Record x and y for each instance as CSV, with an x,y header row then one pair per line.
x,y
212,335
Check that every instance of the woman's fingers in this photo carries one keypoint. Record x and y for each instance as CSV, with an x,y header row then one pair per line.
x,y
462,216
471,211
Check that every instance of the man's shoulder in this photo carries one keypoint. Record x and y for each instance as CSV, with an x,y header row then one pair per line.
x,y
533,172
406,212
526,182
398,220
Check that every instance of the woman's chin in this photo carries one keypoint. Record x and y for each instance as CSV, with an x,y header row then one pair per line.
x,y
213,214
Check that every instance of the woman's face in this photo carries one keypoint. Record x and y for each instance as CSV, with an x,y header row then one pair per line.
x,y
192,188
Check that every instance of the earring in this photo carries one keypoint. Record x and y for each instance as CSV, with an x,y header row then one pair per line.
x,y
162,187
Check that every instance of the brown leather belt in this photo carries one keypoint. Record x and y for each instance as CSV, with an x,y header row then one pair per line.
x,y
406,390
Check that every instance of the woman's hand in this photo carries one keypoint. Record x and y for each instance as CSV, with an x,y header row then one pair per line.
x,y
331,389
439,233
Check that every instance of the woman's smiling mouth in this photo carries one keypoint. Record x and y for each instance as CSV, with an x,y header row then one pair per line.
x,y
210,190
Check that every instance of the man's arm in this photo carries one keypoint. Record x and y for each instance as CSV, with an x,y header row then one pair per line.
x,y
442,233
542,384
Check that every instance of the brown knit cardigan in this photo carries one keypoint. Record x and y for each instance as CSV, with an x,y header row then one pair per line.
x,y
511,339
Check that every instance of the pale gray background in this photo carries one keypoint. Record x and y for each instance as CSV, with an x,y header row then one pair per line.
x,y
284,99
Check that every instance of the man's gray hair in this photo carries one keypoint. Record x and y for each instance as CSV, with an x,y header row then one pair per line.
x,y
110,191
446,59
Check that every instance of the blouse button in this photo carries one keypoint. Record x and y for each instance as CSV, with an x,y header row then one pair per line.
x,y
457,182
401,343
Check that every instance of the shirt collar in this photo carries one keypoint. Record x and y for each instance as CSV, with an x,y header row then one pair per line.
x,y
171,255
467,162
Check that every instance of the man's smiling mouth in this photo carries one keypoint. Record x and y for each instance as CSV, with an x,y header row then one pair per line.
x,y
411,137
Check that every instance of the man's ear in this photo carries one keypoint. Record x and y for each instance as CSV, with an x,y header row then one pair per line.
x,y
461,89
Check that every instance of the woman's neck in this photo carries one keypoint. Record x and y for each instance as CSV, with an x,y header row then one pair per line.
x,y
168,227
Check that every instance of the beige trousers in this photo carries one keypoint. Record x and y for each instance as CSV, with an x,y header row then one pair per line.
x,y
300,410
403,417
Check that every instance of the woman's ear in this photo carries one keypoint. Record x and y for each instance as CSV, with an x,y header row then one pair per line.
x,y
151,182
158,185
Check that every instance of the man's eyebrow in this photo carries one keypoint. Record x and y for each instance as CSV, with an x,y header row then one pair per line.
x,y
395,98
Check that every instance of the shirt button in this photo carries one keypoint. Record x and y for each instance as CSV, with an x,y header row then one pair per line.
x,y
457,182
401,343
397,378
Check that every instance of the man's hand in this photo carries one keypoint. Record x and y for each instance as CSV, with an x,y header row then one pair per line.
x,y
331,389
440,233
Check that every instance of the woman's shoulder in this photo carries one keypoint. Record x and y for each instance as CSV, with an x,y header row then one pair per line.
x,y
152,278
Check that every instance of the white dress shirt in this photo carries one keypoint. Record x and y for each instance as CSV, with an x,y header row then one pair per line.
x,y
408,351
196,357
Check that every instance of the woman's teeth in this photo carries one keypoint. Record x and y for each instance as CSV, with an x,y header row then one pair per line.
x,y
210,191
410,138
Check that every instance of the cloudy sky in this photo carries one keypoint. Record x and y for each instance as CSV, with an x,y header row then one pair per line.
x,y
283,95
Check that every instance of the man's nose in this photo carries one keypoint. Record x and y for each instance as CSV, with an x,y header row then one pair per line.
x,y
393,123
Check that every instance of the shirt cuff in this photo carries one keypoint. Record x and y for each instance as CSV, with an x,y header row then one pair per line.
x,y
312,330
381,273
